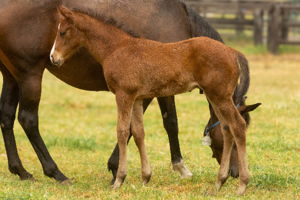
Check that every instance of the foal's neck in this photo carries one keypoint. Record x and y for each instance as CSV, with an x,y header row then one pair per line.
x,y
101,38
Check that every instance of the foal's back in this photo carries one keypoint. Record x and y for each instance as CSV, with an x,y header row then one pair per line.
x,y
154,69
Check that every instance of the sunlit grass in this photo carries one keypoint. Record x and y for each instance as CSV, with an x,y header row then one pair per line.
x,y
79,129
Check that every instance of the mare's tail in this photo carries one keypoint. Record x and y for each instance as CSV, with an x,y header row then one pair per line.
x,y
244,78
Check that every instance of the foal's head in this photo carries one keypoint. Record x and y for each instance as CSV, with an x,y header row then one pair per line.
x,y
68,38
214,130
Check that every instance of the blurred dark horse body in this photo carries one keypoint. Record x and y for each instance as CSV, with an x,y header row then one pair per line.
x,y
27,32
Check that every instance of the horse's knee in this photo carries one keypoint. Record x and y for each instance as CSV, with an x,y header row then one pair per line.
x,y
28,121
138,133
240,132
123,135
7,121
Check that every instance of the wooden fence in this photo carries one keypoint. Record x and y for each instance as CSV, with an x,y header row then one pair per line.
x,y
277,14
279,26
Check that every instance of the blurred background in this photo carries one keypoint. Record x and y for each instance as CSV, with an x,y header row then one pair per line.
x,y
272,26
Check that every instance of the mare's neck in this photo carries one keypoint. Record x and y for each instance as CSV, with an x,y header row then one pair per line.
x,y
101,39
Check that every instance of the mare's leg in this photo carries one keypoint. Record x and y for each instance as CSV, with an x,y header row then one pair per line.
x,y
8,105
137,130
124,104
113,161
168,112
29,95
233,126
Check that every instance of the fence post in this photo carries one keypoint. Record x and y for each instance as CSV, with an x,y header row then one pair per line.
x,y
274,28
284,27
258,26
240,16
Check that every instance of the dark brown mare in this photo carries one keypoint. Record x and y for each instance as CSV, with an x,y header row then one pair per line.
x,y
27,32
137,68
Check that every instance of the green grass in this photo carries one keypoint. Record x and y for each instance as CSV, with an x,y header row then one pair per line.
x,y
79,129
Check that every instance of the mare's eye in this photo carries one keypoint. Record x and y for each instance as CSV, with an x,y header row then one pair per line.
x,y
62,33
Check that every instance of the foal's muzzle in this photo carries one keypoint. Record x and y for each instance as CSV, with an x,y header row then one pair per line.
x,y
56,61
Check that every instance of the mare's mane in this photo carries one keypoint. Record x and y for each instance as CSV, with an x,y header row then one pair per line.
x,y
106,19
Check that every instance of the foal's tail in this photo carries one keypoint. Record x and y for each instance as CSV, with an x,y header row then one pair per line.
x,y
244,78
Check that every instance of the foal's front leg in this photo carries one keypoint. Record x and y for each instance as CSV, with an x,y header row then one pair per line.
x,y
137,130
124,104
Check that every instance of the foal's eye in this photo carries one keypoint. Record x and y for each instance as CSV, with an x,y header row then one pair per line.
x,y
62,33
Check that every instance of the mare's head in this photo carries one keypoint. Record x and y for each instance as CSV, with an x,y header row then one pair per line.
x,y
68,38
213,131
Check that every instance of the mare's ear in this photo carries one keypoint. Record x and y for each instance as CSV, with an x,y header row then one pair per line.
x,y
66,13
248,108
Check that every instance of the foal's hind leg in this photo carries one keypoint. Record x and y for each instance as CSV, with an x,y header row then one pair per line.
x,y
233,126
137,130
124,104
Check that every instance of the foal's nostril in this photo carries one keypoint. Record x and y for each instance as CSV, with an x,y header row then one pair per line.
x,y
51,58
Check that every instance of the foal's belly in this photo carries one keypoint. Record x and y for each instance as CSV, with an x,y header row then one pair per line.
x,y
170,89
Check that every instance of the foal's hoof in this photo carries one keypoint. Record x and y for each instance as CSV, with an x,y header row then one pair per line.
x,y
66,182
182,169
117,184
242,189
219,185
146,180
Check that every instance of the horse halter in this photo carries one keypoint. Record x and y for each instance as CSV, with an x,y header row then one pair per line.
x,y
209,128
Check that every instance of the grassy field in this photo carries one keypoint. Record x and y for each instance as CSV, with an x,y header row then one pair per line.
x,y
78,127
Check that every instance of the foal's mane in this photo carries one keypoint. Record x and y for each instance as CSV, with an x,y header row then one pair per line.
x,y
106,20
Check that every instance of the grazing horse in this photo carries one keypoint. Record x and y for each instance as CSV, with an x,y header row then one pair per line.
x,y
27,32
213,139
137,68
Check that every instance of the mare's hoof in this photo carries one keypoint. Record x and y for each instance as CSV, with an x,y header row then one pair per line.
x,y
113,181
182,169
27,176
66,182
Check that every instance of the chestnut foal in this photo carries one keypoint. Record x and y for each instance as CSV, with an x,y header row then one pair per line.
x,y
136,68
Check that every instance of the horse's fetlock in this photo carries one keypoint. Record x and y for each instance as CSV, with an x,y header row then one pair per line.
x,y
146,172
244,179
51,171
122,174
14,168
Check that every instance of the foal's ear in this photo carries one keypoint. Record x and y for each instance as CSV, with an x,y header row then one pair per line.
x,y
66,13
248,108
